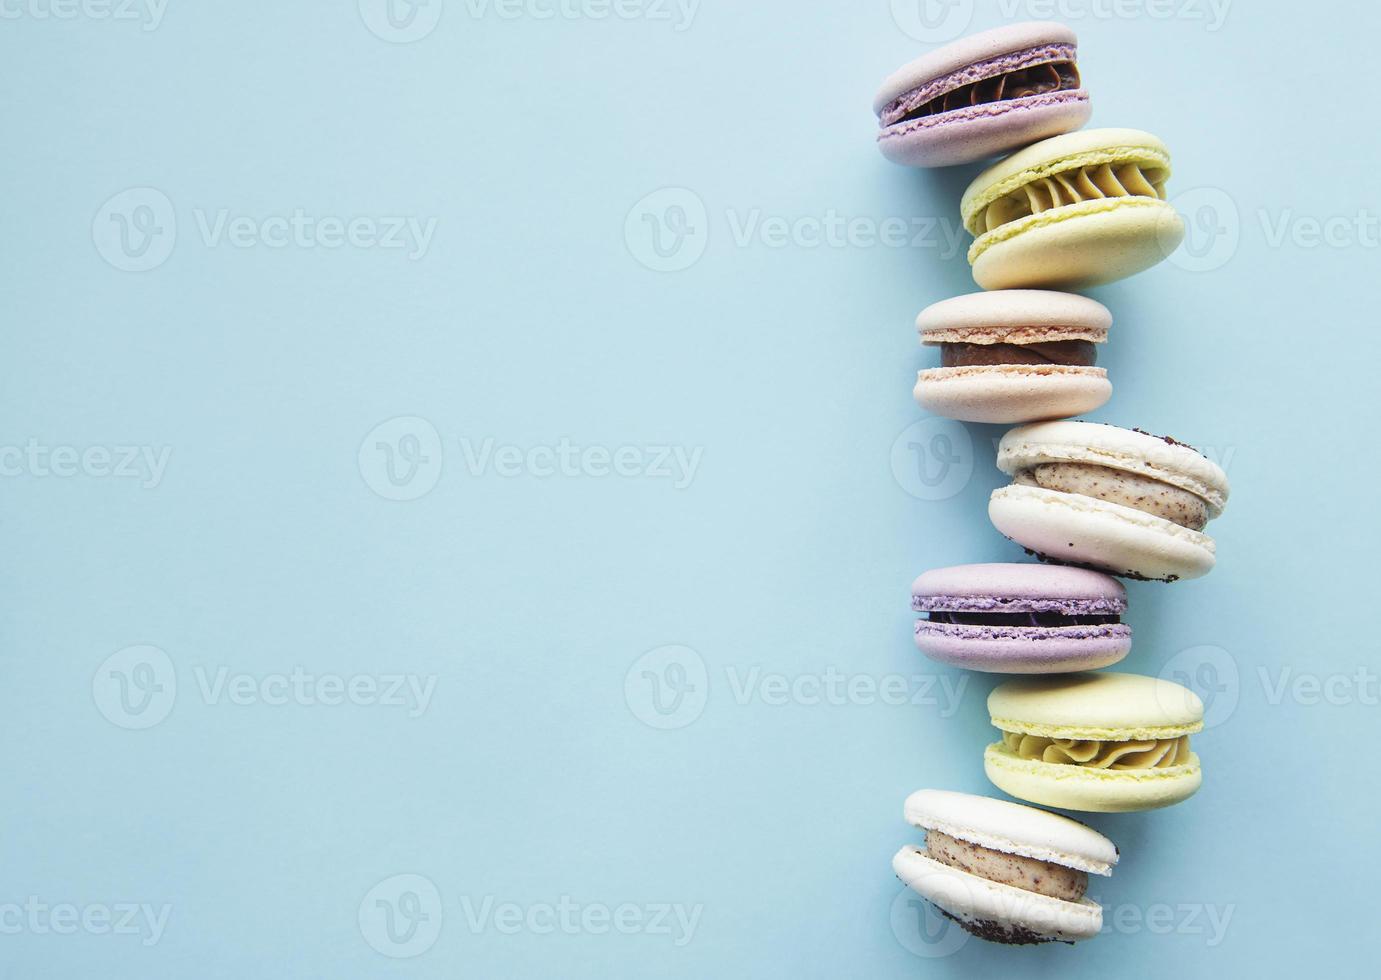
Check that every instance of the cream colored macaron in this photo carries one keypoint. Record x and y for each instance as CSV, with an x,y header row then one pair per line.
x,y
1119,500
1005,872
1099,741
1014,355
1072,211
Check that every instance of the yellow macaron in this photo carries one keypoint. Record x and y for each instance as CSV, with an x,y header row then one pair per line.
x,y
1072,211
1104,742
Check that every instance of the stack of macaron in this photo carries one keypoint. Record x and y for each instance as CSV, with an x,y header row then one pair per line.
x,y
1067,209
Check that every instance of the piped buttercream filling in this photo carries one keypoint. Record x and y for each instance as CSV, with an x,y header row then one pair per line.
x,y
1092,754
1072,186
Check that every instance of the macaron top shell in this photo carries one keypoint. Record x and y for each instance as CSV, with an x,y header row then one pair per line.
x,y
996,316
1125,449
967,51
1105,706
1012,829
1089,147
1016,587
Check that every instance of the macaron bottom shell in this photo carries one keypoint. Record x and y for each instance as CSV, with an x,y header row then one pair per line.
x,y
1079,245
1011,393
994,911
1024,650
1076,529
982,131
1072,787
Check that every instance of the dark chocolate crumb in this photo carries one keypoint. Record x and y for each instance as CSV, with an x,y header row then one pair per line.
x,y
996,932
1168,440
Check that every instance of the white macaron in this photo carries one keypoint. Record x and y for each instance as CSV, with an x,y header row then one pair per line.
x,y
1005,872
1119,500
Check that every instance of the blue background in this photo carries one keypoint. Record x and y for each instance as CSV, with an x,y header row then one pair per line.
x,y
533,317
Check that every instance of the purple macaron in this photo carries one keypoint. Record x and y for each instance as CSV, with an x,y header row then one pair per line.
x,y
1021,619
983,95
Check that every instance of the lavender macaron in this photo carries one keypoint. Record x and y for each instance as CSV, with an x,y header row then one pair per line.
x,y
982,95
1021,619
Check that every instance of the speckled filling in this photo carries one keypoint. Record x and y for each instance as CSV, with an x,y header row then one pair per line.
x,y
1027,873
1143,493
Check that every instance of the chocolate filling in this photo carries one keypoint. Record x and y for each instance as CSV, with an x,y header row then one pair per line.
x,y
1079,353
1057,76
1020,619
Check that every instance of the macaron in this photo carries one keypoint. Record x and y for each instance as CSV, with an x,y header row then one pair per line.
x,y
1005,872
1101,741
982,95
1072,211
1021,619
1119,500
1014,355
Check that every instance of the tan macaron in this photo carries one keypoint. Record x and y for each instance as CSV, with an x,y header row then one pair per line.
x,y
1014,355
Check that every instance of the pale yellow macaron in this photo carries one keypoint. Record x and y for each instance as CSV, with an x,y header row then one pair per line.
x,y
1104,742
1072,211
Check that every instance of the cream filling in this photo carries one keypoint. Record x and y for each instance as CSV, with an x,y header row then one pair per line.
x,y
1144,493
1073,186
1160,753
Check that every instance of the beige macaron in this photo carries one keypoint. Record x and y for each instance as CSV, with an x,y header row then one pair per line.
x,y
1014,355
